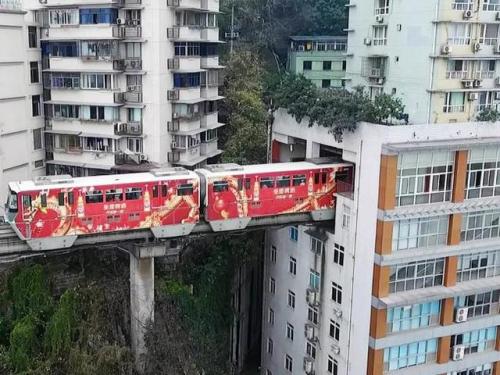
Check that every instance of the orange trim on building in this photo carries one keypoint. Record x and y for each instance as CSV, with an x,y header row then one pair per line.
x,y
459,176
375,362
450,271
387,183
383,239
378,323
496,368
454,229
444,345
380,285
447,311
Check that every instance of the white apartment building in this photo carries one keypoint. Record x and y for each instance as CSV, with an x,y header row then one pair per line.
x,y
128,84
406,280
440,57
22,151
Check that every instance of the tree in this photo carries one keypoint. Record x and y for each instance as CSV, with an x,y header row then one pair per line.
x,y
489,115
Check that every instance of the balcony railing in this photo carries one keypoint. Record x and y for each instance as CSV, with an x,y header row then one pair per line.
x,y
127,32
173,126
453,108
173,33
128,64
133,128
125,3
173,63
462,6
174,157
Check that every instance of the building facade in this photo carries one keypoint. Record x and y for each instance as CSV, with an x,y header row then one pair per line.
x,y
407,279
439,57
22,151
321,59
129,85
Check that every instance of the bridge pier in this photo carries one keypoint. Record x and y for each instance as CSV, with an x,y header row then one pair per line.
x,y
142,295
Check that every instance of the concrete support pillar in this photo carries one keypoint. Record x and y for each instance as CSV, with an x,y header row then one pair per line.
x,y
312,149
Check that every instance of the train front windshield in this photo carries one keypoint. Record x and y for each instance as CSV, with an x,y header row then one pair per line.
x,y
11,207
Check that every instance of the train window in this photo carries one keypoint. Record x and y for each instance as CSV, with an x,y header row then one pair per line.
x,y
133,193
283,181
298,180
43,200
26,202
71,198
114,195
221,186
134,216
155,191
13,201
164,190
113,218
266,182
243,183
324,177
316,178
94,196
185,189
60,199
86,221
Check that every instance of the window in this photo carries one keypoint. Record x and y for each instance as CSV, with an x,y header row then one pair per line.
x,y
380,35
187,49
266,182
338,254
459,33
483,172
283,181
294,233
270,316
307,65
34,74
480,225
346,217
311,349
98,81
32,37
317,246
454,102
100,49
336,293
334,330
292,266
313,315
479,304
344,65
327,65
462,4
416,275
404,318
408,355
99,113
64,80
94,196
289,331
314,279
291,299
273,254
37,139
333,366
420,233
476,341
39,163
114,195
186,80
185,189
486,369
133,193
288,363
220,186
270,346
381,7
491,5
63,16
272,285
98,15
326,83
299,180
478,266
35,105
488,34
424,177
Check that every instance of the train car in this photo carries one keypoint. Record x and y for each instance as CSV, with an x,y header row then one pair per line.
x,y
236,194
51,212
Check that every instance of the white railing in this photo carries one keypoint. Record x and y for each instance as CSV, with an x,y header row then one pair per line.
x,y
488,41
453,108
462,6
457,74
459,41
383,10
491,7
11,4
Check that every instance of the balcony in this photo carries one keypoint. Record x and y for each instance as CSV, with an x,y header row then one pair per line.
x,y
128,64
127,32
129,3
209,147
193,33
345,189
174,157
128,97
184,4
131,128
133,158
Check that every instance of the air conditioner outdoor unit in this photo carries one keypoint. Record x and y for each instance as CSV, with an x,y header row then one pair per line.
x,y
467,83
467,14
120,21
308,366
461,315
310,332
43,1
476,47
338,313
143,157
446,49
477,83
379,18
367,41
335,349
458,352
473,96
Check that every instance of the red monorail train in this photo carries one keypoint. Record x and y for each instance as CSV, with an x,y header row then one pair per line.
x,y
51,212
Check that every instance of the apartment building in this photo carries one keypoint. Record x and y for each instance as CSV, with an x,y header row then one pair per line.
x,y
321,59
406,280
439,57
22,151
129,85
